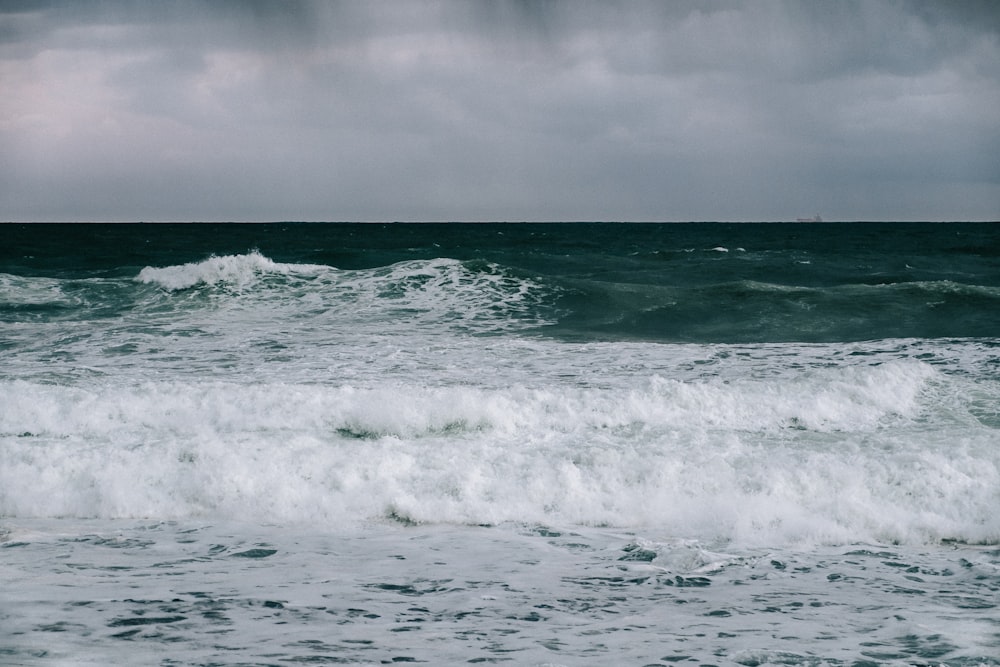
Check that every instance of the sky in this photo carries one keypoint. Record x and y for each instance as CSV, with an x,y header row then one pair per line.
x,y
382,110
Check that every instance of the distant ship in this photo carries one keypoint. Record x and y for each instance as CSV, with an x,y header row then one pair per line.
x,y
815,218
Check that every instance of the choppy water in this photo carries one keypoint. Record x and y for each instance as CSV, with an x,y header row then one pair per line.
x,y
542,444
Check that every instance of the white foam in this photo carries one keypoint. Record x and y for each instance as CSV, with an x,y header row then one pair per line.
x,y
235,270
846,399
839,456
33,291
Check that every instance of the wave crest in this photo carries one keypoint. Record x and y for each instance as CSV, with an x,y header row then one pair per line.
x,y
236,270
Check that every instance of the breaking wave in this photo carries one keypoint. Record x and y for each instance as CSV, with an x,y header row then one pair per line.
x,y
752,461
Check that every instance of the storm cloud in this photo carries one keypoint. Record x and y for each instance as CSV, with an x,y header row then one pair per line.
x,y
547,110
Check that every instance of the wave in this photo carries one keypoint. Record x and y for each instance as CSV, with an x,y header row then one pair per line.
x,y
20,290
849,398
238,271
476,295
838,456
28,298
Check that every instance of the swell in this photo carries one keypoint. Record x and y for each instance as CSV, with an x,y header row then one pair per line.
x,y
749,311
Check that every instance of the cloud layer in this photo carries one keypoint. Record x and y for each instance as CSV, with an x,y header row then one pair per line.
x,y
557,110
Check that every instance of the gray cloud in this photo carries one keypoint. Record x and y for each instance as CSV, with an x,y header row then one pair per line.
x,y
505,110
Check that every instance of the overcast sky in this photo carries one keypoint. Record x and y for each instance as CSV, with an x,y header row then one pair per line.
x,y
501,110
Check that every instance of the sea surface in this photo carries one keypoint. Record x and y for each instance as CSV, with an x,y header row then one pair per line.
x,y
531,444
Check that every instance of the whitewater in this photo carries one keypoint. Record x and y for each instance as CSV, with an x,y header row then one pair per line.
x,y
559,445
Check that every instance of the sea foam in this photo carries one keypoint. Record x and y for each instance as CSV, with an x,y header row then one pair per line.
x,y
235,270
839,458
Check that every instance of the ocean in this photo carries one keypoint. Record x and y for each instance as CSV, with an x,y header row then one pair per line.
x,y
532,444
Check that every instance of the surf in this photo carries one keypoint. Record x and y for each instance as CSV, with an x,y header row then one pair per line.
x,y
841,456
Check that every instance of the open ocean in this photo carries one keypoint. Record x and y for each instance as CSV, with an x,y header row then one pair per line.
x,y
532,444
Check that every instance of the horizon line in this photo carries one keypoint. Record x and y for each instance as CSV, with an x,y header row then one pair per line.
x,y
485,222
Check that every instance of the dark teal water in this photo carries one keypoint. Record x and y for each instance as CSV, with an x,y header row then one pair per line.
x,y
698,282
